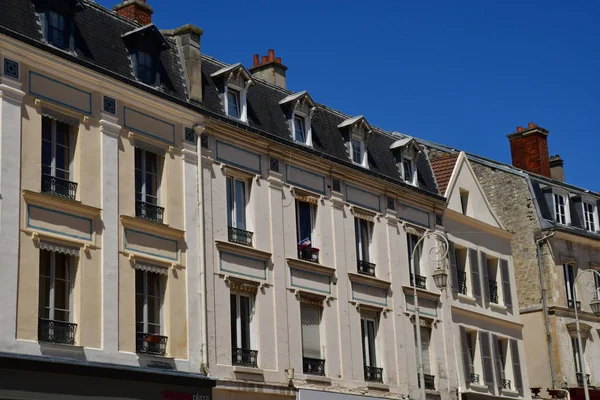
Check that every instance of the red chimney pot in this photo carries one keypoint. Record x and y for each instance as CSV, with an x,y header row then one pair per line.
x,y
519,129
264,59
531,125
278,60
256,60
271,55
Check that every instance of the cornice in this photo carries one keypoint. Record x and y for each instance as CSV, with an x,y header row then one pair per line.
x,y
242,250
369,280
422,293
60,203
477,224
155,228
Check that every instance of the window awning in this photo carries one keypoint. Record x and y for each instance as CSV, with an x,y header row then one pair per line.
x,y
364,215
155,269
51,113
59,248
413,231
307,198
140,144
243,286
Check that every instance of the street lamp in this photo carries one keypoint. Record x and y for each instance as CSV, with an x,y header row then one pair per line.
x,y
438,253
595,305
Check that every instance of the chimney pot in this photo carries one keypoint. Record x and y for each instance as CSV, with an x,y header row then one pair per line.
x,y
271,55
519,129
278,60
529,149
531,125
256,61
264,59
270,69
557,169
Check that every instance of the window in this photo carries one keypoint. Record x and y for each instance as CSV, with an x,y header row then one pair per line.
x,y
414,268
299,129
148,302
501,347
425,341
576,356
56,149
569,285
597,286
460,254
233,103
464,201
147,183
56,286
236,203
241,330
560,209
492,266
358,151
146,71
369,335
310,315
363,229
589,216
305,225
408,170
58,30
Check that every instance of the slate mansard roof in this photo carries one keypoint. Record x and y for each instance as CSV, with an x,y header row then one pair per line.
x,y
99,46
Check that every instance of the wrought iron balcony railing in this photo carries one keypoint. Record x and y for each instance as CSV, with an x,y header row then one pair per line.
x,y
493,291
373,374
149,211
244,357
149,343
418,281
308,253
462,282
239,236
579,376
474,378
571,304
429,381
59,187
506,384
56,331
313,366
366,268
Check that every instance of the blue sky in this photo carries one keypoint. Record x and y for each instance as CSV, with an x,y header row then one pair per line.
x,y
461,73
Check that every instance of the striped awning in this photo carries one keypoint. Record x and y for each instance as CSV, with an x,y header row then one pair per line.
x,y
59,248
307,198
311,299
365,215
153,268
51,113
243,286
141,144
413,231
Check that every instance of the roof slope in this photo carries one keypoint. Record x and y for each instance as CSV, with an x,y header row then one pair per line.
x,y
442,168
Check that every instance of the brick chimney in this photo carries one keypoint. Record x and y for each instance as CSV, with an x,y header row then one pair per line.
x,y
136,10
557,170
529,149
270,69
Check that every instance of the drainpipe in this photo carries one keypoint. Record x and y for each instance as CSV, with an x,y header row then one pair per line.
x,y
198,129
545,305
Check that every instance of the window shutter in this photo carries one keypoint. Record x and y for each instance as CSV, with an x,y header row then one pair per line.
x,y
453,271
475,278
514,348
498,360
576,211
506,289
486,358
311,338
485,273
466,355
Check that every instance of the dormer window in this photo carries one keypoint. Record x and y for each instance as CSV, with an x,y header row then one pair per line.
x,y
561,209
58,33
589,216
406,152
233,83
145,68
145,45
233,103
355,131
299,109
408,170
57,20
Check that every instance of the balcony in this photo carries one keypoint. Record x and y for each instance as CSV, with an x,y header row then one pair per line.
x,y
579,376
308,253
56,331
373,374
244,357
475,378
149,343
313,366
429,381
239,236
149,211
366,268
462,282
571,304
506,384
418,281
59,187
493,285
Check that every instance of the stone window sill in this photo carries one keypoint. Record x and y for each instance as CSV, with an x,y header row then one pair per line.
x,y
478,387
498,307
314,378
511,393
248,370
467,299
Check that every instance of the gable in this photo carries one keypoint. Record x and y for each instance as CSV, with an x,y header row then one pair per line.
x,y
463,179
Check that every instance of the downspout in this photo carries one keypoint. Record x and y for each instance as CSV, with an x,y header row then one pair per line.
x,y
545,305
198,130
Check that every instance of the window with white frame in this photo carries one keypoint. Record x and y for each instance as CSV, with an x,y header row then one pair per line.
x,y
56,286
460,254
369,338
561,209
357,147
148,302
237,200
310,316
242,310
305,225
589,216
569,276
408,170
501,348
147,184
57,149
471,355
425,348
363,231
576,356
233,103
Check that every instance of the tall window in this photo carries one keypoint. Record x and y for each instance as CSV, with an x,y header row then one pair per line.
x,y
58,30
501,347
560,209
464,201
470,339
358,150
56,149
56,286
408,170
369,335
233,103
425,344
576,358
146,176
363,230
148,302
299,129
310,314
241,329
305,214
412,242
589,216
146,71
460,255
569,284
236,203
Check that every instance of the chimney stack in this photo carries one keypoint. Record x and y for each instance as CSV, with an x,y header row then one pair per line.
x,y
188,42
529,149
557,170
136,10
270,69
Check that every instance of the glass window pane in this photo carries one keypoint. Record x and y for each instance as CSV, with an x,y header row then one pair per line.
x,y
364,231
44,298
139,281
62,266
139,182
61,315
245,313
371,340
310,316
63,134
47,154
300,134
153,310
304,222
139,310
230,206
233,304
45,256
151,163
233,103
61,294
47,128
154,329
151,185
138,158
240,203
139,326
153,284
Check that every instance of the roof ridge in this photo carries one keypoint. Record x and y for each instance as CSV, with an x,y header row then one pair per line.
x,y
112,13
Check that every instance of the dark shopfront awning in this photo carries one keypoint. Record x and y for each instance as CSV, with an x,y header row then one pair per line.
x,y
38,377
579,394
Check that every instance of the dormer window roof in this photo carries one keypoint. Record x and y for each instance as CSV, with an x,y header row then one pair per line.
x,y
356,130
235,81
299,108
406,151
145,45
57,20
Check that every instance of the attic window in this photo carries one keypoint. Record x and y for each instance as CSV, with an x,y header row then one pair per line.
x,y
406,151
146,71
233,82
299,109
357,145
145,45
233,103
299,129
355,131
58,32
408,170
